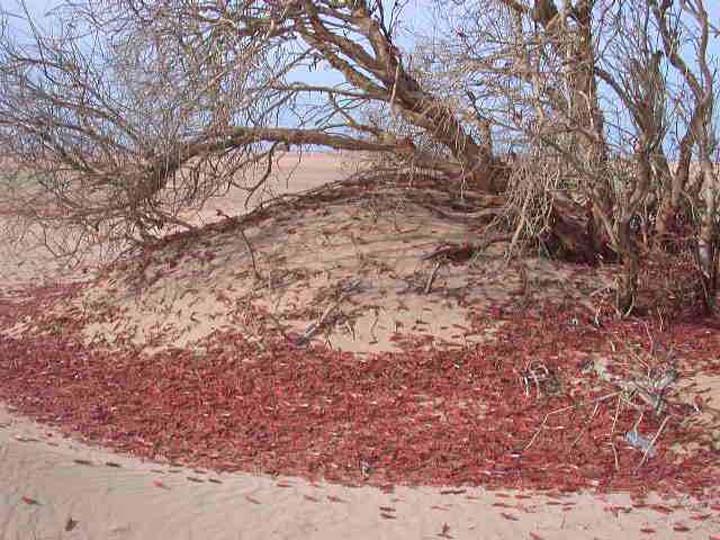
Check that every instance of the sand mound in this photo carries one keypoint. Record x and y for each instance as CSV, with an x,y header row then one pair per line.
x,y
361,334
286,301
352,273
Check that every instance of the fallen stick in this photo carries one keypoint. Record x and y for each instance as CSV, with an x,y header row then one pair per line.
x,y
248,245
431,278
563,409
586,426
652,443
250,249
315,327
542,424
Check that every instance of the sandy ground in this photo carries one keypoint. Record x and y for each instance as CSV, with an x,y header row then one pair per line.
x,y
52,487
352,268
24,258
63,481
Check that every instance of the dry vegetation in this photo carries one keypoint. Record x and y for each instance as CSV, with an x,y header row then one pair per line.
x,y
595,120
517,289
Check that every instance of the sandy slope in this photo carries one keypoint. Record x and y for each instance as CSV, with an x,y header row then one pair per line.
x,y
149,501
23,256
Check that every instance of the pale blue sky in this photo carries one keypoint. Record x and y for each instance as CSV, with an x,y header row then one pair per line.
x,y
418,16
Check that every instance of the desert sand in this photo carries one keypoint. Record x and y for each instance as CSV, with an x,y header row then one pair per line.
x,y
52,486
64,480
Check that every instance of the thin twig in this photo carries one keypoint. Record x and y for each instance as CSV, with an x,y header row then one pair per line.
x,y
542,425
315,327
615,419
431,277
248,245
615,455
250,249
563,409
374,324
652,443
587,425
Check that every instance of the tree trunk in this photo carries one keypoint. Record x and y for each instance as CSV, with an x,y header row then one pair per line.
x,y
585,109
571,33
674,183
571,236
707,244
628,283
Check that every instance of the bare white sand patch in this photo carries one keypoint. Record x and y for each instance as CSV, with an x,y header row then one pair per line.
x,y
293,173
703,391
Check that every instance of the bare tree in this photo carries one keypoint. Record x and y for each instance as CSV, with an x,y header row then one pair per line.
x,y
589,89
129,111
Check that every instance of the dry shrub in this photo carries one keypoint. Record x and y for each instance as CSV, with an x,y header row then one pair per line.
x,y
670,285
